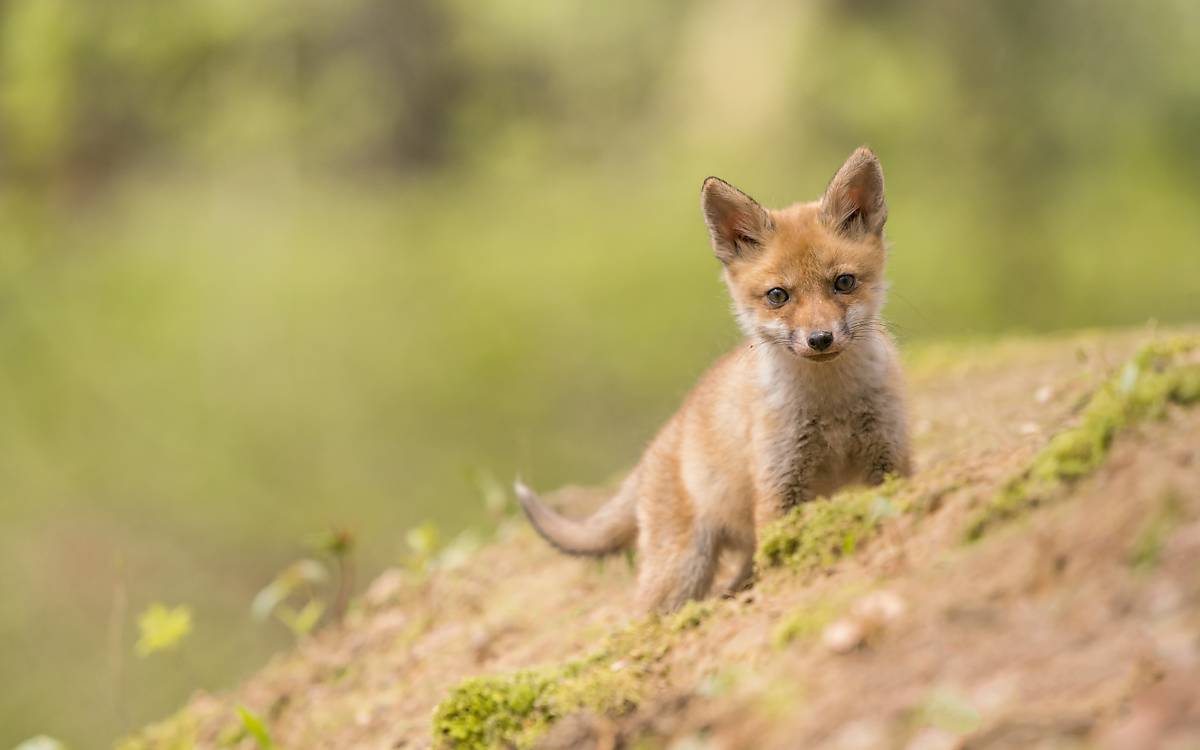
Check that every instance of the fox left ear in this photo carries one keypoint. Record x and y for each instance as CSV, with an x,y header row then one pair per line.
x,y
853,203
736,223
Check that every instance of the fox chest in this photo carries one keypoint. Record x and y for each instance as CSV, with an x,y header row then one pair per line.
x,y
836,463
812,454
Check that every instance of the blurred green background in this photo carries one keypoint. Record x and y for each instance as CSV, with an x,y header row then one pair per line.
x,y
272,268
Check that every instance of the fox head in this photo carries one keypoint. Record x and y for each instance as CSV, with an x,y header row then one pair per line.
x,y
808,277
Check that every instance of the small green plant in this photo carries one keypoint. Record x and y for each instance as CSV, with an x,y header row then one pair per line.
x,y
303,592
255,728
426,552
338,545
162,628
423,543
293,597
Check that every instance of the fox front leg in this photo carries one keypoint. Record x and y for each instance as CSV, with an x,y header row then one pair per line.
x,y
883,445
789,480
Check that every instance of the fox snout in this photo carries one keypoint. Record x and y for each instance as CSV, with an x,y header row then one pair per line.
x,y
818,343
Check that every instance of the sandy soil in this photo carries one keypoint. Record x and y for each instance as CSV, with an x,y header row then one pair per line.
x,y
1075,626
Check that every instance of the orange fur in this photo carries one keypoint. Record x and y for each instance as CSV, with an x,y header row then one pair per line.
x,y
810,402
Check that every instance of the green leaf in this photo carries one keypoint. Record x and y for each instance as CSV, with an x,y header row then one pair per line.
x,y
302,622
336,542
162,628
256,728
423,540
276,592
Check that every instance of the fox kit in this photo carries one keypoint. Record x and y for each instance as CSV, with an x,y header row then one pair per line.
x,y
809,402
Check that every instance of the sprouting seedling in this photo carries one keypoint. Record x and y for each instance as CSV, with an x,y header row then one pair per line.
x,y
423,542
426,552
162,628
255,728
339,544
336,543
298,581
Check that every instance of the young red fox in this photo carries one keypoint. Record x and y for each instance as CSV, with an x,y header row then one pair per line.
x,y
811,401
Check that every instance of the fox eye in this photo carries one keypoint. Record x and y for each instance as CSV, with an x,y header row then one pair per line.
x,y
844,283
776,297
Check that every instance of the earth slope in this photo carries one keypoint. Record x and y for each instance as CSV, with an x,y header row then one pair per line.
x,y
1035,584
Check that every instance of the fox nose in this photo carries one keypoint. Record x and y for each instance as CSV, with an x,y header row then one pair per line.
x,y
820,340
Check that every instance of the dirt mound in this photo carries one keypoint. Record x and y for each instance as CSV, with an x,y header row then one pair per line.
x,y
1034,585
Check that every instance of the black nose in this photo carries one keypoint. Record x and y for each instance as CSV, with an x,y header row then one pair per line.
x,y
820,340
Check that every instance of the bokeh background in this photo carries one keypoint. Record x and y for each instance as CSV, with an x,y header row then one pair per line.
x,y
273,268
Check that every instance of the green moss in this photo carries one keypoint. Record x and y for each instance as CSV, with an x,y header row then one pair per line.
x,y
690,616
482,711
815,535
1158,375
514,710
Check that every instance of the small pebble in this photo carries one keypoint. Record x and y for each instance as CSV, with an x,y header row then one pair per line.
x,y
862,734
880,608
843,636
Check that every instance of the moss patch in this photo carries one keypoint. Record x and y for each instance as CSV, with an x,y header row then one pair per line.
x,y
514,710
690,616
483,710
815,535
1159,374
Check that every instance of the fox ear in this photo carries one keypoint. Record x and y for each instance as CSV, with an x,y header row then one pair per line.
x,y
853,203
736,223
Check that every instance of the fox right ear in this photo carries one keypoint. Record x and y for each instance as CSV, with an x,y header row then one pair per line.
x,y
736,223
853,203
